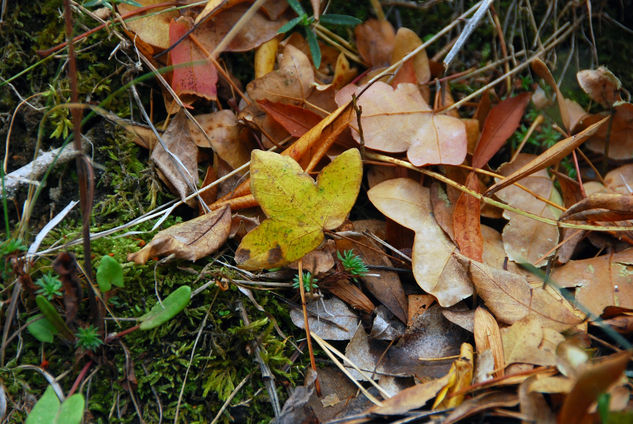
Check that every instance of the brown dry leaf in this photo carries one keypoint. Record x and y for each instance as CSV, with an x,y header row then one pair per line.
x,y
223,136
399,120
387,288
153,30
430,337
375,40
417,305
435,267
525,341
258,30
143,136
534,407
350,294
291,84
551,156
488,400
592,381
511,298
620,179
442,207
541,69
466,221
494,254
413,397
525,239
405,42
190,240
296,120
178,140
488,337
601,207
619,133
329,319
600,84
602,281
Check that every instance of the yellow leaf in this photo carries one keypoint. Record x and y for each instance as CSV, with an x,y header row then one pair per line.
x,y
298,210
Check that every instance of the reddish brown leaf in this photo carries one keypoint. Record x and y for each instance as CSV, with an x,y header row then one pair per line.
x,y
296,120
466,223
190,78
375,40
500,124
619,134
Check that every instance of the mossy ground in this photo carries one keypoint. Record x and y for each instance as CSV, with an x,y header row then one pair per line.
x,y
126,187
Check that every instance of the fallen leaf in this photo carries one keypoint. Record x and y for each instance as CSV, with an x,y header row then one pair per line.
x,y
399,120
466,221
460,378
298,210
534,407
541,69
222,135
511,298
350,294
291,84
190,240
593,380
152,27
405,42
601,281
182,151
375,41
501,122
488,400
435,267
411,398
601,207
549,157
190,79
488,337
259,30
525,341
619,133
620,179
600,84
296,120
329,319
526,239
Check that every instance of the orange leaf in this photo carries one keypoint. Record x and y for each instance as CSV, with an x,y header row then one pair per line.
x,y
296,120
500,124
466,223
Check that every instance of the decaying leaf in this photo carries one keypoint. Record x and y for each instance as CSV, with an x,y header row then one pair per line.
x,y
190,78
600,84
298,210
152,28
190,240
619,134
460,377
488,337
291,84
410,398
435,267
178,164
399,120
330,319
601,281
527,342
511,298
525,239
375,40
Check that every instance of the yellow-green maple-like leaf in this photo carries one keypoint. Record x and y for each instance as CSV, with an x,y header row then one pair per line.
x,y
298,209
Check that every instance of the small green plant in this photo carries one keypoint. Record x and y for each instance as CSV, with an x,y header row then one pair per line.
x,y
50,286
352,263
109,273
308,22
50,410
88,338
7,248
309,282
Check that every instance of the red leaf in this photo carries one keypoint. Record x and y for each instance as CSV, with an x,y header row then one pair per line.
x,y
500,124
296,120
197,79
466,224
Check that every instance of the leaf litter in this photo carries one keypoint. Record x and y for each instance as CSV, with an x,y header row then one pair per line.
x,y
410,322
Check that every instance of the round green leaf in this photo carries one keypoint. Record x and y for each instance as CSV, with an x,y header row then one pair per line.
x,y
45,409
170,306
109,273
42,329
71,411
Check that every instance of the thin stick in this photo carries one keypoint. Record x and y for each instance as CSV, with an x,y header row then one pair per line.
x,y
317,385
230,398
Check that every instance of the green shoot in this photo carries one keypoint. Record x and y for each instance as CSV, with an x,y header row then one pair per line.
x,y
353,264
49,286
309,282
88,338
